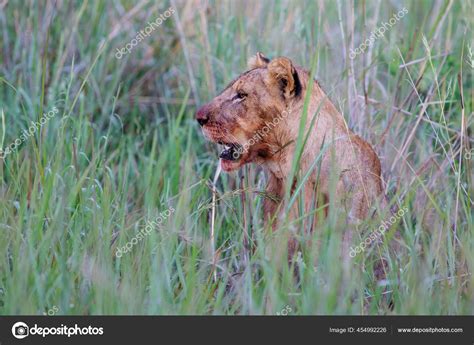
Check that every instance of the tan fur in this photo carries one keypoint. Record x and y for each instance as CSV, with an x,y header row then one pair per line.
x,y
270,89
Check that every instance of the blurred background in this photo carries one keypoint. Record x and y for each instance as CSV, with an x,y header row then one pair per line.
x,y
124,147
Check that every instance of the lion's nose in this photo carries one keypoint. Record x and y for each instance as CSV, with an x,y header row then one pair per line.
x,y
202,121
202,116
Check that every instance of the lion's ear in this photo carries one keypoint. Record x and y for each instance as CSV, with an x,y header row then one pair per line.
x,y
258,61
283,74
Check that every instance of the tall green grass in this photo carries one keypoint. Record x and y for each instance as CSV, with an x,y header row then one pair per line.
x,y
124,147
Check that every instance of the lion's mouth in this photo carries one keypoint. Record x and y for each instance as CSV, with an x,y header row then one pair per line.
x,y
231,152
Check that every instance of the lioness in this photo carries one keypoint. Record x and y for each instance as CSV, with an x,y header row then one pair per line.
x,y
276,89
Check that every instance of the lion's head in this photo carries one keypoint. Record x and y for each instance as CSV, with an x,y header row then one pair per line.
x,y
242,117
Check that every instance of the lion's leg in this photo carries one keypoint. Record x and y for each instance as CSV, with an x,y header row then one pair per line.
x,y
272,200
359,206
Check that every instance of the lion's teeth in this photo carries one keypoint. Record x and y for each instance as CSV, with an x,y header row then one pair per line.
x,y
227,147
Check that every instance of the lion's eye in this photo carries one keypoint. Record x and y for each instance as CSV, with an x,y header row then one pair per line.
x,y
240,95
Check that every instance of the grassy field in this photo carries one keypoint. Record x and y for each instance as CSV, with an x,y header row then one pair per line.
x,y
120,147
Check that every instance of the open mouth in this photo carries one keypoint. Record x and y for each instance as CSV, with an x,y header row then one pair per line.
x,y
231,152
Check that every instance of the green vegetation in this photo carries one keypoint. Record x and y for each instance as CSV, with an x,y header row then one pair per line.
x,y
124,146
